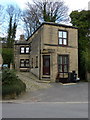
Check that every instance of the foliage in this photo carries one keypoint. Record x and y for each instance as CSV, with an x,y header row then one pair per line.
x,y
14,16
43,11
11,84
7,54
81,20
86,56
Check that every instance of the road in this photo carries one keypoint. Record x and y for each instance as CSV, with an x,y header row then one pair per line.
x,y
45,110
58,101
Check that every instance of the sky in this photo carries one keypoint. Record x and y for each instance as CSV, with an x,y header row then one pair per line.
x,y
72,5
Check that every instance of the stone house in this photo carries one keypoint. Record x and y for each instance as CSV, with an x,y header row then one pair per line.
x,y
50,51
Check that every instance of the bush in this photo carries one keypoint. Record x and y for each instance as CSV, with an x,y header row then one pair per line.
x,y
11,84
7,54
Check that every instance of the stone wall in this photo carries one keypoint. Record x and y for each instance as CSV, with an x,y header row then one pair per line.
x,y
18,56
35,52
50,39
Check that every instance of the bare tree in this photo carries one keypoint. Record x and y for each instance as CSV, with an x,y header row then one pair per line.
x,y
52,11
31,19
44,11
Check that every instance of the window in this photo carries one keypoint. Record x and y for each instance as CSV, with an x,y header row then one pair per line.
x,y
36,61
27,63
62,38
24,63
24,50
63,63
27,49
32,63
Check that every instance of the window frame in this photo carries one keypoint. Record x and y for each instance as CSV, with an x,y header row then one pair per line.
x,y
24,63
28,50
62,38
21,48
32,63
24,49
36,62
20,63
63,64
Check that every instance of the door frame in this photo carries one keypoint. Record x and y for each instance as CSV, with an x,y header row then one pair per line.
x,y
43,65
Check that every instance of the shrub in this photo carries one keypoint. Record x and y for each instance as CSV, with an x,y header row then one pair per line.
x,y
7,54
11,84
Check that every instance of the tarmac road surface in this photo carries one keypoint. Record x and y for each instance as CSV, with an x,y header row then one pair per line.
x,y
45,110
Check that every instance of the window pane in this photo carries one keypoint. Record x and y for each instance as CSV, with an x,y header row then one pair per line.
x,y
60,41
60,34
22,49
27,61
64,42
60,68
27,65
65,60
64,34
65,68
22,63
60,60
27,49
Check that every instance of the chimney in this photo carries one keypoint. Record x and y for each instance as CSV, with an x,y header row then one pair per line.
x,y
21,37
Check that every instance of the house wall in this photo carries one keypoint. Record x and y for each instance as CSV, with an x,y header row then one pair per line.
x,y
35,51
18,56
50,41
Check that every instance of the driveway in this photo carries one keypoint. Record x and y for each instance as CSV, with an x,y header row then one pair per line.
x,y
59,93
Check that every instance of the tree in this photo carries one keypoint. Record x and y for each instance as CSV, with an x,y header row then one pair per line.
x,y
52,11
81,20
7,55
14,14
44,11
31,21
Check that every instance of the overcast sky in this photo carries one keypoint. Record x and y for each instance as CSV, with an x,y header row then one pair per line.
x,y
72,4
